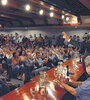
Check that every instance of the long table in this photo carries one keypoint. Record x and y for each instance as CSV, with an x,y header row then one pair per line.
x,y
55,92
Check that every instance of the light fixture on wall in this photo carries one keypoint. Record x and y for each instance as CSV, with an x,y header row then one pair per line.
x,y
27,7
51,14
41,12
4,2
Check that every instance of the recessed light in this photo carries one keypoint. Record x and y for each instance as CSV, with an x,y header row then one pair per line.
x,y
27,7
67,18
63,16
51,8
4,2
41,12
51,14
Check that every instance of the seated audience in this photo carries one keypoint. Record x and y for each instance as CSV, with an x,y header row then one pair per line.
x,y
23,57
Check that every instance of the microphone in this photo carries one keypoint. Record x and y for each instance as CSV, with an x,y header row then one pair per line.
x,y
67,70
80,58
68,73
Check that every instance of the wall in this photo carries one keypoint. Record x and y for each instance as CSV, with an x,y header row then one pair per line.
x,y
85,19
49,30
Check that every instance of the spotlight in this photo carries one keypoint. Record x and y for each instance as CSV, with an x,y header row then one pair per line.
x,y
63,16
51,14
67,18
51,8
41,12
4,2
27,7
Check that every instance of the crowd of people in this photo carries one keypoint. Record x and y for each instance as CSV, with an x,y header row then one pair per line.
x,y
24,57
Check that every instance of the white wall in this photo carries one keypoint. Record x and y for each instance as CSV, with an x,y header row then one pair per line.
x,y
49,30
85,19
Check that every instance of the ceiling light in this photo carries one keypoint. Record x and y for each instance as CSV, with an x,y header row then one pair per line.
x,y
51,8
67,14
63,16
42,3
41,12
27,7
67,18
51,14
4,2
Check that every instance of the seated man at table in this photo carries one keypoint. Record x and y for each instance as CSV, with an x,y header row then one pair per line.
x,y
82,92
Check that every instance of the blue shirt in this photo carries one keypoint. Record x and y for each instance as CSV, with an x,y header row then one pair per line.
x,y
83,91
40,61
51,57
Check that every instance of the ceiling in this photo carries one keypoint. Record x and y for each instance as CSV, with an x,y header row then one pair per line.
x,y
77,7
14,14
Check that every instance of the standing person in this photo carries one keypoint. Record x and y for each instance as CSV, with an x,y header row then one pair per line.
x,y
78,41
83,45
24,39
88,43
53,41
31,38
20,39
16,38
60,40
46,41
40,40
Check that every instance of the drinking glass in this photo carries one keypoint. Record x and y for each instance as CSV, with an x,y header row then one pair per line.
x,y
55,74
43,79
33,91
